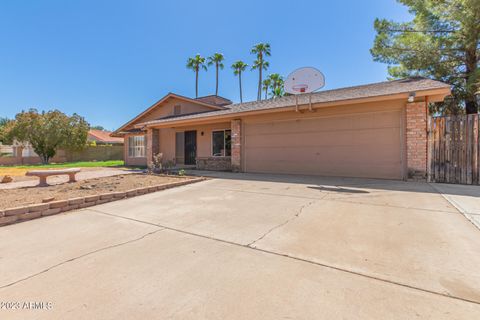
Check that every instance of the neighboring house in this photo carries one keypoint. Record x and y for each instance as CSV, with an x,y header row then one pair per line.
x,y
374,131
103,137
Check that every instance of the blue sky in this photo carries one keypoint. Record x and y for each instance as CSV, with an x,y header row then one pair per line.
x,y
110,60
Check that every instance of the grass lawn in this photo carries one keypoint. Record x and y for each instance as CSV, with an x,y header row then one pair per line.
x,y
20,170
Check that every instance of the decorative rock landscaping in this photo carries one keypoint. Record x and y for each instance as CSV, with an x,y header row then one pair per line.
x,y
34,211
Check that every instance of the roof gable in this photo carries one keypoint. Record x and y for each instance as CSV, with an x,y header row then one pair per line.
x,y
204,106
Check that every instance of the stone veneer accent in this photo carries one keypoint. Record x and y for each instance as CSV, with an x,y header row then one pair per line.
x,y
416,140
214,163
236,127
33,211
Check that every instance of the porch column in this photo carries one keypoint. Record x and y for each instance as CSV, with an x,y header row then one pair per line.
x,y
416,140
236,127
153,145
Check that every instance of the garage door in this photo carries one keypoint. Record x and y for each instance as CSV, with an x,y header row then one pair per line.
x,y
358,145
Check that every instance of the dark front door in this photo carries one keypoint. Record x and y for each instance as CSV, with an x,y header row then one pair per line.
x,y
190,147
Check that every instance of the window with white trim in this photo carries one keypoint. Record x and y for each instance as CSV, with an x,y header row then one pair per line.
x,y
222,143
136,146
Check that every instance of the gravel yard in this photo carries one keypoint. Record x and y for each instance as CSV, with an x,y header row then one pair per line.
x,y
11,198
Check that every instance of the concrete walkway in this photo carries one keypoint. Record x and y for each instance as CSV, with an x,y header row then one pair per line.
x,y
251,247
465,198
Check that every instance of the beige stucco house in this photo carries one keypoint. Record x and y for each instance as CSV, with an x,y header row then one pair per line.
x,y
375,131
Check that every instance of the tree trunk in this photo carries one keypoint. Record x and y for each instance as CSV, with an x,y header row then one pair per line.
x,y
196,83
471,106
259,95
44,159
266,93
216,86
240,82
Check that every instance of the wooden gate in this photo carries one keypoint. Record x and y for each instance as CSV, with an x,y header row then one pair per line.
x,y
454,146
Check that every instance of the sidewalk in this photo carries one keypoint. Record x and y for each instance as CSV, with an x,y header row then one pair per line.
x,y
465,198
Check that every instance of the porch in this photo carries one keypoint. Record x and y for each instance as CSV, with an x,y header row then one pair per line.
x,y
214,146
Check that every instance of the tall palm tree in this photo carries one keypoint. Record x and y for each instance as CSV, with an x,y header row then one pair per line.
x,y
267,83
261,50
238,67
276,84
217,60
196,63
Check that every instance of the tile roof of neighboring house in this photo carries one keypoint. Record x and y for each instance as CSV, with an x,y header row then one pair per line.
x,y
215,100
350,93
103,136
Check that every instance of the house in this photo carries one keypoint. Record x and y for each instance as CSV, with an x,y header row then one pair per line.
x,y
102,137
375,131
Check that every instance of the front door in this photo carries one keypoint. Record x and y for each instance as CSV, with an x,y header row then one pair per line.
x,y
190,147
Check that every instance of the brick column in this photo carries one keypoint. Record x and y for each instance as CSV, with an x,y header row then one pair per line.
x,y
153,145
416,140
236,126
149,150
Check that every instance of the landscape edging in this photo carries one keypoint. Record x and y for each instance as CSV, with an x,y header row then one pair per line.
x,y
33,211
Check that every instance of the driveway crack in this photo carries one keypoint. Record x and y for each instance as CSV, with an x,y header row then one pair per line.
x,y
79,257
295,216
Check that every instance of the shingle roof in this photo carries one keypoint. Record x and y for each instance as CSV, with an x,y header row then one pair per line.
x,y
350,93
215,100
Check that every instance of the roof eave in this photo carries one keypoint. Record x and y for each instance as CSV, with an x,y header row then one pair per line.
x,y
438,93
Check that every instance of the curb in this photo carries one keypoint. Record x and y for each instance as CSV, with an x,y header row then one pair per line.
x,y
33,211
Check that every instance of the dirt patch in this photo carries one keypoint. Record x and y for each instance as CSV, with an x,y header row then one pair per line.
x,y
12,198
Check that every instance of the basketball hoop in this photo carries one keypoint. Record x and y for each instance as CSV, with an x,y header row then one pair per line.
x,y
300,88
304,80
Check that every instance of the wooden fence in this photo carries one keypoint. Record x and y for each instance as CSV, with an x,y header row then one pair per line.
x,y
454,149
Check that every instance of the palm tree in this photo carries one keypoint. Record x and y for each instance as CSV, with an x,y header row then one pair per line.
x,y
276,84
267,83
238,67
261,50
217,60
196,63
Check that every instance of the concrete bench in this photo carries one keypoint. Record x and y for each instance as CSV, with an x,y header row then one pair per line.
x,y
43,174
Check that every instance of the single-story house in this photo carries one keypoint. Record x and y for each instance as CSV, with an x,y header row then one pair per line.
x,y
375,131
102,137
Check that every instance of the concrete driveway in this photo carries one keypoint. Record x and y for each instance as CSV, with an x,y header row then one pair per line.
x,y
244,246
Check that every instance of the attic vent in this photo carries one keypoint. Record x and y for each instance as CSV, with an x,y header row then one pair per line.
x,y
177,110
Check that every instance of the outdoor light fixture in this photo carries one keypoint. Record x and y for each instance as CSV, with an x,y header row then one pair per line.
x,y
411,97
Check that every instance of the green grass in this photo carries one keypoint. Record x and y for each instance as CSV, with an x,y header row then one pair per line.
x,y
81,164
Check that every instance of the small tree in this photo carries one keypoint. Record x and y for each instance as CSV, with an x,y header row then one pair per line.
x,y
48,131
4,123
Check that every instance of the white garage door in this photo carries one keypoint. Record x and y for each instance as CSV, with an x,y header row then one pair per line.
x,y
358,145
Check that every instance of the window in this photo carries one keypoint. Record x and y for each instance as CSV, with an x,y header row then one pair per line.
x,y
222,143
136,146
177,110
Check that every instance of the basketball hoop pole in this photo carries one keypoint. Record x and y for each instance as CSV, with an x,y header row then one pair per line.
x,y
310,102
296,104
